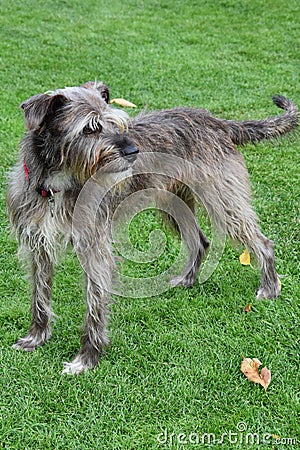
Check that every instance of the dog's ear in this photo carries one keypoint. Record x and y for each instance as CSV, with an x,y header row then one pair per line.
x,y
101,87
39,108
104,91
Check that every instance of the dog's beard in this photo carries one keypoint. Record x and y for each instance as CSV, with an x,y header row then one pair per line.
x,y
112,178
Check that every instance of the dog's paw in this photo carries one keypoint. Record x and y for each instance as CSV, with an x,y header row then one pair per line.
x,y
75,367
28,343
33,340
25,345
268,292
186,281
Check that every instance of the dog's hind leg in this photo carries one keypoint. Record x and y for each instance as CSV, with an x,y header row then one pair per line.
x,y
262,248
42,273
249,233
197,244
229,207
196,241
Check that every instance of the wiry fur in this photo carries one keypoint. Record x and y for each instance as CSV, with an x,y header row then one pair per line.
x,y
73,132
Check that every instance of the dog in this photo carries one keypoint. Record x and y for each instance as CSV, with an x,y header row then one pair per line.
x,y
73,134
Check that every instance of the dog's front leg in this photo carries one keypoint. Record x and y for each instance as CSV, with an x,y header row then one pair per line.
x,y
40,329
98,267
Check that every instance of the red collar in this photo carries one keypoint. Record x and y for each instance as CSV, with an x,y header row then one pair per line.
x,y
26,170
47,193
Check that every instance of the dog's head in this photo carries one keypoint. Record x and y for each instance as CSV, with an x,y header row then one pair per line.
x,y
75,129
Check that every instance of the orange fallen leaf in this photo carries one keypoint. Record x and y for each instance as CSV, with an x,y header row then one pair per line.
x,y
265,375
249,367
275,436
123,102
245,258
248,308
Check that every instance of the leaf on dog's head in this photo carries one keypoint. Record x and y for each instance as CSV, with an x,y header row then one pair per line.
x,y
249,367
123,102
245,258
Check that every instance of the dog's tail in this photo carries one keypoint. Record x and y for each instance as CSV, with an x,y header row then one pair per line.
x,y
272,127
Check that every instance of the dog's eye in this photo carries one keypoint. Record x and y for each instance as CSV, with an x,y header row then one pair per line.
x,y
95,128
87,130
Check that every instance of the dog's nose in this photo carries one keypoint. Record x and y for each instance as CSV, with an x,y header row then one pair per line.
x,y
130,152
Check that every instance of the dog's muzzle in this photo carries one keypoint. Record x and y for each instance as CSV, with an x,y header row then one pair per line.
x,y
129,152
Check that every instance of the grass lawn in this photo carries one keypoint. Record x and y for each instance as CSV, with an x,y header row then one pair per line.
x,y
174,365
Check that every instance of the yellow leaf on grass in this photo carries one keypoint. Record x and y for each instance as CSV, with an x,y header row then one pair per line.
x,y
280,284
249,367
123,102
245,258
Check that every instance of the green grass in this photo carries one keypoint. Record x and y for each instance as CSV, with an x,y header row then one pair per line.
x,y
174,363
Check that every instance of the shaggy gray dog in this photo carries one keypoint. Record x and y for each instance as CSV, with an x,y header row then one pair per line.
x,y
73,134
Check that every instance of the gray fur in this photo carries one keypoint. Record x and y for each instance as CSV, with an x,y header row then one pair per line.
x,y
71,134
